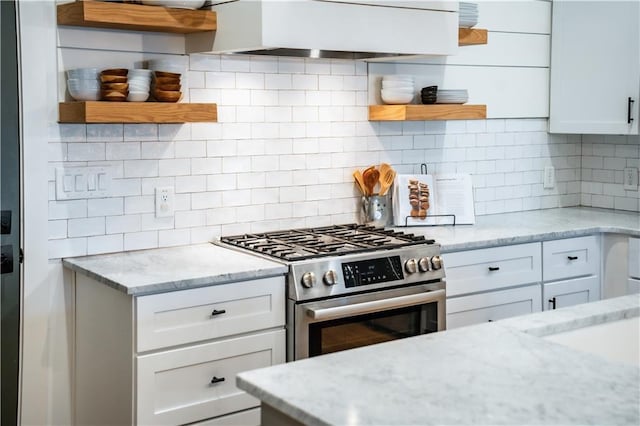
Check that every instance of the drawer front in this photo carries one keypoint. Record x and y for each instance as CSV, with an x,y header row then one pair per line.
x,y
633,286
634,257
244,418
198,314
492,268
570,292
175,387
492,306
573,257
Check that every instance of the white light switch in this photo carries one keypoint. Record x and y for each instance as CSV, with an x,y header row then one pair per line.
x,y
74,183
549,177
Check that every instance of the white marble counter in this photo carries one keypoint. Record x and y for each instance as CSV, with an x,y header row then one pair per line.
x,y
530,226
493,373
176,268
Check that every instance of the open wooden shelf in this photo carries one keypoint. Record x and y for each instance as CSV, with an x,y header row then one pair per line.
x,y
427,112
137,17
136,112
471,36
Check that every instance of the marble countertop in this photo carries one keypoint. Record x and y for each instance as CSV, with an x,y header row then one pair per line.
x,y
530,226
492,373
176,268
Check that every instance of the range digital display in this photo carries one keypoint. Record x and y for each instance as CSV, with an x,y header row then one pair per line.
x,y
372,271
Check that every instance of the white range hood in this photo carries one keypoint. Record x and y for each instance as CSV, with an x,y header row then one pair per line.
x,y
336,29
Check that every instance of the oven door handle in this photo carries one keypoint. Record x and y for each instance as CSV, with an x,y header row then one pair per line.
x,y
325,314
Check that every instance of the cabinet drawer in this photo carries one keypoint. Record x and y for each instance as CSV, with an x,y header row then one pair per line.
x,y
198,314
634,257
573,257
570,292
175,387
492,306
492,268
244,418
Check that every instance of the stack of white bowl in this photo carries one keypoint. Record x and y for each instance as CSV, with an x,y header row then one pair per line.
x,y
139,85
397,89
83,84
468,14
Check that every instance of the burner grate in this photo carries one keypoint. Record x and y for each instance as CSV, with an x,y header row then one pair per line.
x,y
310,243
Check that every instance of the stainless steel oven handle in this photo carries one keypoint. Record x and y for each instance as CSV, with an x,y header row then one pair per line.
x,y
325,314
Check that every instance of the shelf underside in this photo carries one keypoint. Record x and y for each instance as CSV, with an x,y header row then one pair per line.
x,y
426,112
136,112
136,17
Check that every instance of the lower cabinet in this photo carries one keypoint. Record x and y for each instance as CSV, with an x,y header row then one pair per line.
x,y
565,293
172,358
633,283
633,286
492,306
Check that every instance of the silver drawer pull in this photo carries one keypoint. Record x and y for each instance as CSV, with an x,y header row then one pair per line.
x,y
572,257
218,312
217,380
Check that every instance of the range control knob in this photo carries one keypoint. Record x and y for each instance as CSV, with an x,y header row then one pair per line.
x,y
424,264
436,262
330,277
411,266
308,279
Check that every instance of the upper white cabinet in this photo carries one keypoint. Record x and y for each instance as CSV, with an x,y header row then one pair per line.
x,y
595,67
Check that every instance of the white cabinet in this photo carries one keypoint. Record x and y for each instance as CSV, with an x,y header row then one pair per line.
x,y
595,67
171,358
633,284
492,306
571,272
492,283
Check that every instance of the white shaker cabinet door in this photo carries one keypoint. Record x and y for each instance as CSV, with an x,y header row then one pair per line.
x,y
561,294
595,67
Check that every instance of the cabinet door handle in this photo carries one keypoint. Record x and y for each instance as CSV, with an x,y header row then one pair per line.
x,y
217,380
629,103
218,312
553,303
494,268
572,257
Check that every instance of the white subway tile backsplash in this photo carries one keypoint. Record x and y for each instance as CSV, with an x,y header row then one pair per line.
x,y
290,133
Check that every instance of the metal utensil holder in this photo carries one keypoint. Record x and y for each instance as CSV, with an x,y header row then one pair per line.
x,y
376,210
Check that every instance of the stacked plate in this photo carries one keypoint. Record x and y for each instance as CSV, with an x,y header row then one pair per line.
x,y
397,89
83,84
452,96
468,15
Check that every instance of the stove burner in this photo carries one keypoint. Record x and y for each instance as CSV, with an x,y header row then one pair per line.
x,y
311,243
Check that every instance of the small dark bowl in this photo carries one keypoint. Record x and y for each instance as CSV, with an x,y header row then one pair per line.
x,y
429,101
429,97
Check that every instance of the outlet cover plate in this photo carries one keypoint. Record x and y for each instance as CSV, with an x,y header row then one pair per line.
x,y
630,179
165,196
549,177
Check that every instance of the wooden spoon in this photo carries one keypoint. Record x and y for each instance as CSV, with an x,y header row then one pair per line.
x,y
386,180
357,175
371,176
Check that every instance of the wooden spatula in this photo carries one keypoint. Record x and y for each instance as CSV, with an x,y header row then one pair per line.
x,y
357,175
386,180
371,176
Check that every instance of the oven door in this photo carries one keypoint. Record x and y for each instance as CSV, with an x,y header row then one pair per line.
x,y
349,322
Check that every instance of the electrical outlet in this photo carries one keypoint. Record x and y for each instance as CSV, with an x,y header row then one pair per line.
x,y
631,179
549,177
165,201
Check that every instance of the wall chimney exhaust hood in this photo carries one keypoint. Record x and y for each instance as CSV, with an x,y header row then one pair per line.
x,y
346,29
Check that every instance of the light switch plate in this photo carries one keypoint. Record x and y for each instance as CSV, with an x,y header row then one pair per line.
x,y
74,183
630,179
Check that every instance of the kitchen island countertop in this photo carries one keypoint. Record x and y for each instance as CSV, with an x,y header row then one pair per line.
x,y
175,268
492,373
530,226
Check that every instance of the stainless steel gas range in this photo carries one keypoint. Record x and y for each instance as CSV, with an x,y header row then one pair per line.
x,y
353,285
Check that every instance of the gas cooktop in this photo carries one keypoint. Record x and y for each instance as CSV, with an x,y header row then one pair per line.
x,y
310,243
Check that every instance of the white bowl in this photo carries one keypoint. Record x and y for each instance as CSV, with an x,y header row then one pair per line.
x,y
176,4
137,96
397,84
140,81
83,84
83,74
398,91
80,94
139,72
396,97
398,77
